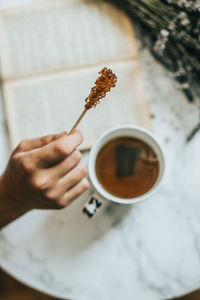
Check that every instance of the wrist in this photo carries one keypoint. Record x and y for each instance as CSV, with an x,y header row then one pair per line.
x,y
8,210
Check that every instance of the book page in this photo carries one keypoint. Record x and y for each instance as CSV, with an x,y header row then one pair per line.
x,y
13,3
51,104
62,34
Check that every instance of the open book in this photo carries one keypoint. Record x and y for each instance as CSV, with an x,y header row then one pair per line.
x,y
50,55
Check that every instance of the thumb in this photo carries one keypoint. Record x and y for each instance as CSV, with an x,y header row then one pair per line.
x,y
27,145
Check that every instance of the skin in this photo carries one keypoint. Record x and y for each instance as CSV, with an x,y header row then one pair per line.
x,y
42,173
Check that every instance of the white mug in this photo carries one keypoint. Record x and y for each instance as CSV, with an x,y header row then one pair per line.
x,y
101,194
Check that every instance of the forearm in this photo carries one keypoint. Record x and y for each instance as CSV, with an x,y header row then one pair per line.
x,y
8,211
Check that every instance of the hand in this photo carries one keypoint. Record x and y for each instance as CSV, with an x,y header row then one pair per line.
x,y
43,173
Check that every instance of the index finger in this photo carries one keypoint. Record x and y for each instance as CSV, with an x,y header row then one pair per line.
x,y
58,150
31,144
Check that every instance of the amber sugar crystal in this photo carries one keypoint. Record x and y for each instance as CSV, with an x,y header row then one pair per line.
x,y
103,84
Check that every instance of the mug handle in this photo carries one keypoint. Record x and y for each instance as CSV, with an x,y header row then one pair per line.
x,y
93,204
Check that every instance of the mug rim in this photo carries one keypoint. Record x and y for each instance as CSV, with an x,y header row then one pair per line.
x,y
98,146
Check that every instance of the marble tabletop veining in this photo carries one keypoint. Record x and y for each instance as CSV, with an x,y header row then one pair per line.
x,y
148,251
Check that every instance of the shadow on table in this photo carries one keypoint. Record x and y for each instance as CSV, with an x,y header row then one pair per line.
x,y
74,231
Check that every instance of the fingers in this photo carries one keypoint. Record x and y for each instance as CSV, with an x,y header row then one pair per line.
x,y
58,150
67,188
62,168
71,178
58,187
74,192
27,145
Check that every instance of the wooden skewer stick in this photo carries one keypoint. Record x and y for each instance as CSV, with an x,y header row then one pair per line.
x,y
103,84
78,120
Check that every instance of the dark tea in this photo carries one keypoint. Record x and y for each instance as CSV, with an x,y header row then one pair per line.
x,y
127,167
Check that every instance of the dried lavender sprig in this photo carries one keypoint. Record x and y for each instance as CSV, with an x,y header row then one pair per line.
x,y
163,16
175,29
193,132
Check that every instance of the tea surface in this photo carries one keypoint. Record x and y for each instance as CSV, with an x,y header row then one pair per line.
x,y
127,167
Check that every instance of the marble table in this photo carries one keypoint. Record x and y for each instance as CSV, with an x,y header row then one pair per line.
x,y
148,251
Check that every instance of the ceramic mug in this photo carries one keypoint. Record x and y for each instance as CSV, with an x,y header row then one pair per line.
x,y
100,195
